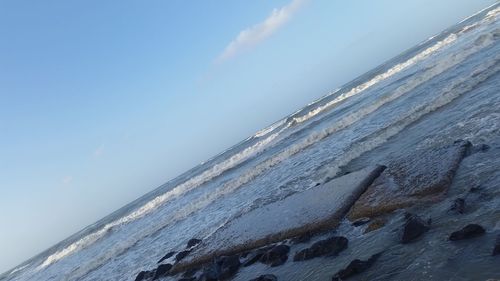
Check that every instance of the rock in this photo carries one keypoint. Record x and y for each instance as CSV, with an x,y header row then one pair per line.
x,y
413,228
375,224
361,221
182,255
143,275
253,257
222,268
304,238
469,231
480,148
496,249
330,246
458,206
227,266
355,267
266,277
162,270
188,279
419,177
276,256
170,254
193,242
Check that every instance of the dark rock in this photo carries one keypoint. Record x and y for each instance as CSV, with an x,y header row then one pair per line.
x,y
330,246
253,258
182,255
266,277
480,148
496,249
458,206
162,270
209,274
167,256
414,227
304,238
143,275
355,267
361,221
276,256
188,279
227,266
469,231
193,242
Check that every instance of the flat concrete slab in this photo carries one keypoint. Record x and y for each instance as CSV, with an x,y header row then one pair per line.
x,y
418,177
314,210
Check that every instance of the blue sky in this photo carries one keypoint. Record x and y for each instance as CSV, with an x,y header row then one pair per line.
x,y
102,101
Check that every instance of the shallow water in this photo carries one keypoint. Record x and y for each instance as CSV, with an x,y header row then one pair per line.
x,y
446,88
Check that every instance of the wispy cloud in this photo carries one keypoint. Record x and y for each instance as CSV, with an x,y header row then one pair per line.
x,y
253,35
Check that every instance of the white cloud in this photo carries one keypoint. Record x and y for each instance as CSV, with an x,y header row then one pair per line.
x,y
251,36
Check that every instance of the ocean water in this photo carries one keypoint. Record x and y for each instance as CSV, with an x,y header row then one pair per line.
x,y
448,87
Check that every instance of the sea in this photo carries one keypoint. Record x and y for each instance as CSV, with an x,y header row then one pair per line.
x,y
450,82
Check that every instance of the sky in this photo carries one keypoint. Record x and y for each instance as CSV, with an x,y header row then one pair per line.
x,y
103,101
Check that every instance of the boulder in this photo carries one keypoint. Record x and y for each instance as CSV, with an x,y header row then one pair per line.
x,y
328,247
162,270
421,176
170,254
413,228
221,268
496,249
182,255
209,274
266,277
143,275
193,242
276,256
227,266
469,231
355,267
254,256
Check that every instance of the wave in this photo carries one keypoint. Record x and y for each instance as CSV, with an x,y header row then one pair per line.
x,y
190,184
447,95
378,78
230,186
